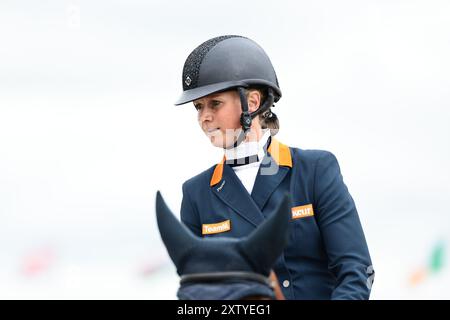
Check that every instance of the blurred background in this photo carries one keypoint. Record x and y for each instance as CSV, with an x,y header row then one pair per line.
x,y
89,133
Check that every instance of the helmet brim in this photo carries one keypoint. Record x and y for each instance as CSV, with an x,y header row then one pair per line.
x,y
203,91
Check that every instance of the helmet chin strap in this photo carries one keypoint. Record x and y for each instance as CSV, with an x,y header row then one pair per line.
x,y
247,117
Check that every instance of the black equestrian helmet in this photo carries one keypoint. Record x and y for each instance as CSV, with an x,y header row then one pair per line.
x,y
226,62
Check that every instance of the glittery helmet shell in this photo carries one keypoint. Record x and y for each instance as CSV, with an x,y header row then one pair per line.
x,y
223,63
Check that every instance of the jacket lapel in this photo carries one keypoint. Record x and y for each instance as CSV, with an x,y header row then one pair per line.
x,y
227,187
272,171
266,184
232,192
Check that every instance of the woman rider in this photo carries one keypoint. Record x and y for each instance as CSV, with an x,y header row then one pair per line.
x,y
233,86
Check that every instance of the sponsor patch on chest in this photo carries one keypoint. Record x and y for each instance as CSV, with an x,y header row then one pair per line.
x,y
302,211
214,228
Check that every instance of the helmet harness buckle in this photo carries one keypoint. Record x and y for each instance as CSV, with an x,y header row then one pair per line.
x,y
247,116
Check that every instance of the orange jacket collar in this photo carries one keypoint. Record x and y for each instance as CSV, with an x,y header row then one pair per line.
x,y
279,152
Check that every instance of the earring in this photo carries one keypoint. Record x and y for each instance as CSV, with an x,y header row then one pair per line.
x,y
268,114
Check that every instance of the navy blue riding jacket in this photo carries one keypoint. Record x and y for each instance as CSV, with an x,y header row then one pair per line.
x,y
327,255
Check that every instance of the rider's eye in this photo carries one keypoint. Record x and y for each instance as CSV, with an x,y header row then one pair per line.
x,y
215,103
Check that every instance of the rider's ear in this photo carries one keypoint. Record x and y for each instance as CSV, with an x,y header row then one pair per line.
x,y
254,100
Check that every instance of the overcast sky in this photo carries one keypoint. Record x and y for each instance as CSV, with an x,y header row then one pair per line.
x,y
88,130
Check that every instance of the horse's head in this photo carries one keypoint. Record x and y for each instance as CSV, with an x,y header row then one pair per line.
x,y
224,268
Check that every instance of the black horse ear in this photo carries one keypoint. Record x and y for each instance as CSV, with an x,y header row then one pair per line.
x,y
266,243
176,237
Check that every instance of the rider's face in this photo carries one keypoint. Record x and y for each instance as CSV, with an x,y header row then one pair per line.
x,y
218,116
